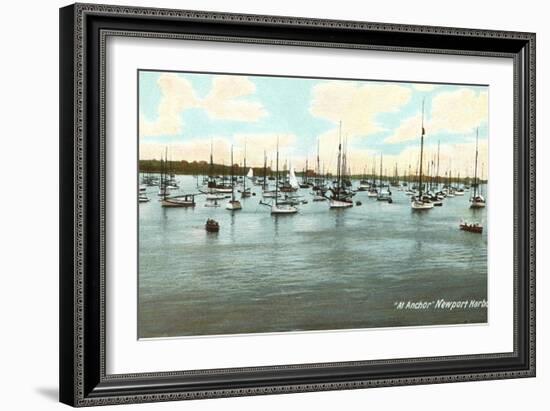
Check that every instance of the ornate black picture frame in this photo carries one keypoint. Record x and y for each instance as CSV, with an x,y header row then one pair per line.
x,y
83,30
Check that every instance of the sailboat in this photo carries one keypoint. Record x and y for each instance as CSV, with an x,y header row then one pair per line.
x,y
318,188
276,207
246,191
292,180
340,198
304,183
373,192
363,183
477,200
266,192
383,196
421,202
164,187
185,200
212,193
142,195
460,190
233,204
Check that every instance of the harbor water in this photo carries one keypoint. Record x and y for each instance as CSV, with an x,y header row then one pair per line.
x,y
319,269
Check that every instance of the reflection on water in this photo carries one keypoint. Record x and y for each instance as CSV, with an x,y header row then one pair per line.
x,y
318,269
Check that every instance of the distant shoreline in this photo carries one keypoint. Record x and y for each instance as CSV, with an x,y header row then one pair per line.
x,y
202,168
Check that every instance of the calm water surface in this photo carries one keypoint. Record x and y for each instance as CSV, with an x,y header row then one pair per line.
x,y
320,269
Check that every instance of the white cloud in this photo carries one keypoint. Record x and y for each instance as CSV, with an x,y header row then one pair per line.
x,y
456,112
409,129
177,95
226,100
357,106
459,111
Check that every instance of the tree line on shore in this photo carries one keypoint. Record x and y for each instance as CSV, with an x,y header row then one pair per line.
x,y
204,168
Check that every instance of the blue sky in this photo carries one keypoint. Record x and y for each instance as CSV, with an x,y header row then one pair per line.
x,y
187,111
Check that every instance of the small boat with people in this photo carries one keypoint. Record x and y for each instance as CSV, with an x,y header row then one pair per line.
x,y
471,227
212,226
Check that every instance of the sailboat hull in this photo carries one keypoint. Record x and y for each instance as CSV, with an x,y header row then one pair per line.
x,y
420,205
340,204
177,203
224,190
283,209
234,205
477,204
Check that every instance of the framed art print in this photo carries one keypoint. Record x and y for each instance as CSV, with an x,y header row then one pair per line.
x,y
260,204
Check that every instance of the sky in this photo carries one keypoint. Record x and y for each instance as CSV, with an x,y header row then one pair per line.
x,y
380,121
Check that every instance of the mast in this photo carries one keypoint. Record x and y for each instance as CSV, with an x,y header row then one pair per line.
x,y
450,175
339,165
437,172
482,178
380,180
232,177
318,165
421,154
244,170
165,174
277,175
475,168
211,159
265,170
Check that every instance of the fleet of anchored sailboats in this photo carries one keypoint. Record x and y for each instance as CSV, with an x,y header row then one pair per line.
x,y
426,188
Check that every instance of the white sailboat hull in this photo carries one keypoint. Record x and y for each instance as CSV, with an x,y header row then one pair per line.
x,y
340,204
234,205
477,202
283,209
420,205
224,190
